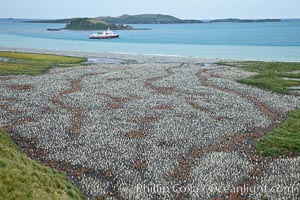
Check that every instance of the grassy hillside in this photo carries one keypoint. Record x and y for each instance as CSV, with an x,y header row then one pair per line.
x,y
270,74
283,139
33,64
23,178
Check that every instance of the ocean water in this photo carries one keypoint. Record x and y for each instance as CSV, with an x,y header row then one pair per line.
x,y
278,41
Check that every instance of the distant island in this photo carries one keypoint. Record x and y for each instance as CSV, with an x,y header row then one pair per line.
x,y
235,20
148,19
94,24
121,22
129,19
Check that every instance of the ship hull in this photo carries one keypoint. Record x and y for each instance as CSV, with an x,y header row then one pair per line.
x,y
104,37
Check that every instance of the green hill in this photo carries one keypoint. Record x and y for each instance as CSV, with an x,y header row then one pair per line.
x,y
127,19
23,178
94,24
146,19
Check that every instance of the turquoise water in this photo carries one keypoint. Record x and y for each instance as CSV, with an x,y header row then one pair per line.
x,y
256,41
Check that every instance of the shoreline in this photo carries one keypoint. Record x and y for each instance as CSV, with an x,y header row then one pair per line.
x,y
133,57
139,58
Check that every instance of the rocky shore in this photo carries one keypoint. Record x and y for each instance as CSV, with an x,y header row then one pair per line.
x,y
150,127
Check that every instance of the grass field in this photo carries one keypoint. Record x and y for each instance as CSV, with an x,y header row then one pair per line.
x,y
285,139
33,64
23,178
270,74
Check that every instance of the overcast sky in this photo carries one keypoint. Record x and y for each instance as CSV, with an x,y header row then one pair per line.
x,y
185,9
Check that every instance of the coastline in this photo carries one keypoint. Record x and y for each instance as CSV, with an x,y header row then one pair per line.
x,y
130,57
124,57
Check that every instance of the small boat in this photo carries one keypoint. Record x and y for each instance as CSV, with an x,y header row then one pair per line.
x,y
53,29
105,35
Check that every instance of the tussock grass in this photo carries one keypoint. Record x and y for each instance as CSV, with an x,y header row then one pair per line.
x,y
270,74
284,139
33,64
23,178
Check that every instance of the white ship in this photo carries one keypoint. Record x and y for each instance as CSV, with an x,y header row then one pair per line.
x,y
105,35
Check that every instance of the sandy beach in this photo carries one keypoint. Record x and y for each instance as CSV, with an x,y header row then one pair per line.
x,y
131,126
